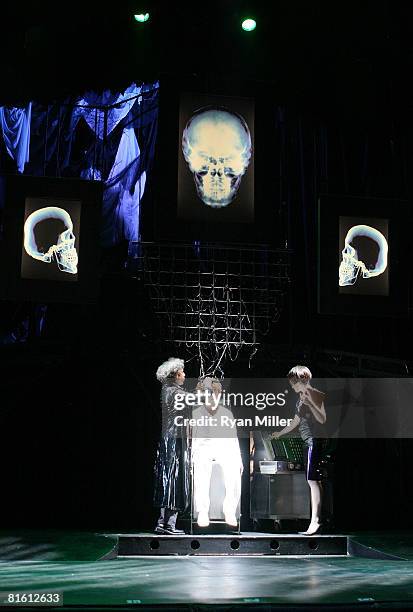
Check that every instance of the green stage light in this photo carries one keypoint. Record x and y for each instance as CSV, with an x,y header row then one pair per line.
x,y
249,24
142,17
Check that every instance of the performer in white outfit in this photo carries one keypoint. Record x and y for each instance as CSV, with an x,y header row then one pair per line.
x,y
215,443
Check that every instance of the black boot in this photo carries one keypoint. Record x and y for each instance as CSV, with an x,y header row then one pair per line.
x,y
169,530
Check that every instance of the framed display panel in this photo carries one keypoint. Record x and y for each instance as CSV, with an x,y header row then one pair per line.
x,y
50,246
215,159
362,244
215,168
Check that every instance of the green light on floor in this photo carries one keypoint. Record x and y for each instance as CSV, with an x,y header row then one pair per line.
x,y
249,24
142,17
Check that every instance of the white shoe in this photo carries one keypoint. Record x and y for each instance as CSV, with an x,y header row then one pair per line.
x,y
231,519
203,519
313,528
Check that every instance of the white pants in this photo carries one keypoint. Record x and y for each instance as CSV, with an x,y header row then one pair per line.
x,y
226,453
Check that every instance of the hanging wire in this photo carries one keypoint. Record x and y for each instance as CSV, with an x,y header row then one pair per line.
x,y
214,301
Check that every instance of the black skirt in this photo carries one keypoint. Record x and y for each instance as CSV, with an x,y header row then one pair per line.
x,y
312,452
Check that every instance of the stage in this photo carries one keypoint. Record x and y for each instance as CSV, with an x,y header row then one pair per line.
x,y
249,544
78,564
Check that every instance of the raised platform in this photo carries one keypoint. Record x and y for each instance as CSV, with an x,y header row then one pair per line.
x,y
250,544
247,544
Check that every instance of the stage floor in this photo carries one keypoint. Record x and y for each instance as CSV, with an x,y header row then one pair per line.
x,y
72,563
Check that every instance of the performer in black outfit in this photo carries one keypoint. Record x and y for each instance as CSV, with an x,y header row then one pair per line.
x,y
310,414
172,465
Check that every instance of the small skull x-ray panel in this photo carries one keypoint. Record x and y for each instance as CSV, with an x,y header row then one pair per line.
x,y
215,159
363,266
50,249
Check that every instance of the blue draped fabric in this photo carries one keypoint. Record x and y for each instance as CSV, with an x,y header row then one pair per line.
x,y
125,183
15,126
123,191
108,137
107,108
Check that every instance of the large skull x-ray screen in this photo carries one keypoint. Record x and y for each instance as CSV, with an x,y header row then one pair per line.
x,y
51,229
363,258
216,159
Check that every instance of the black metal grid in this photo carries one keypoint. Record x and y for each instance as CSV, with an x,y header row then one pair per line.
x,y
214,299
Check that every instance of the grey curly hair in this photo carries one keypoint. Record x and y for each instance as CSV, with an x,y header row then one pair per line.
x,y
169,368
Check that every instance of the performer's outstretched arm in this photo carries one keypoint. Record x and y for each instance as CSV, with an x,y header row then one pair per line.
x,y
294,423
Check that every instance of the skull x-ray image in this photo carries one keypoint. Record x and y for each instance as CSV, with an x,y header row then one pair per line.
x,y
363,258
216,144
215,171
51,239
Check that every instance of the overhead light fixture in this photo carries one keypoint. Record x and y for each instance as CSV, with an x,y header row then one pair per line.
x,y
249,24
142,17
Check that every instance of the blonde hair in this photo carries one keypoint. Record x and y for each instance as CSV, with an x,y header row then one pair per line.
x,y
208,381
169,368
300,372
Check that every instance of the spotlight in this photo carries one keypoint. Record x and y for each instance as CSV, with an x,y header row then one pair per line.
x,y
142,17
249,24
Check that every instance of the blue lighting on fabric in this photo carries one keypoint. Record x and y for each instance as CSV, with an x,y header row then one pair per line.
x,y
15,127
119,150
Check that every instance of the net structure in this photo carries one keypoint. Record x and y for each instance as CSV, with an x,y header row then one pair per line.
x,y
213,300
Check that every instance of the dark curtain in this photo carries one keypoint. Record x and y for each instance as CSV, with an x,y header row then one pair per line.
x,y
338,154
356,151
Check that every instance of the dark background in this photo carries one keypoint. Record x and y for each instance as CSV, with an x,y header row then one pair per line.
x,y
79,411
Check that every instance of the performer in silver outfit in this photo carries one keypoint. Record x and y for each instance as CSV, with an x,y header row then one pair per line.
x,y
172,465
